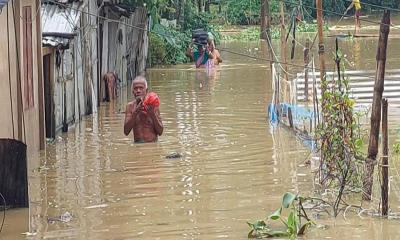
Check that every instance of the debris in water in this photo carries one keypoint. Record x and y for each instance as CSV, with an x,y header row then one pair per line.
x,y
97,206
174,155
29,234
65,218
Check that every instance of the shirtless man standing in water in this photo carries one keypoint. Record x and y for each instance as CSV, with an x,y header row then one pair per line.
x,y
145,121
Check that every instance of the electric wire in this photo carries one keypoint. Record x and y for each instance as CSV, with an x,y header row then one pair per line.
x,y
275,56
377,6
226,50
340,14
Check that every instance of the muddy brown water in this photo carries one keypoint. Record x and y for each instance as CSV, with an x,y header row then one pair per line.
x,y
235,166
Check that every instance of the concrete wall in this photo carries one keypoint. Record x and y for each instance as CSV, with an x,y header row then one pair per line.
x,y
25,120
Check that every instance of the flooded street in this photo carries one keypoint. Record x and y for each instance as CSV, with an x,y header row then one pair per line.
x,y
94,183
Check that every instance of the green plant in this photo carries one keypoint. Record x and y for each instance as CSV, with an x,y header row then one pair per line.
x,y
292,225
242,12
168,46
341,140
253,33
396,148
157,49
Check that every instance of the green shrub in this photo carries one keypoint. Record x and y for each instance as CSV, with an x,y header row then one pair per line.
x,y
253,33
168,46
157,49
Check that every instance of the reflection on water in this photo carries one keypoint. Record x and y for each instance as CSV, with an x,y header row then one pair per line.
x,y
235,167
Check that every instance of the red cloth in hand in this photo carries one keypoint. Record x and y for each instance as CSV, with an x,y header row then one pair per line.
x,y
151,99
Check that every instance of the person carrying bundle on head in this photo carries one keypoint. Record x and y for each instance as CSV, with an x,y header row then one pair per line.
x,y
201,53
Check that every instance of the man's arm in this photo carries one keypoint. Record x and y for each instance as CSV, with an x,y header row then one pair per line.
x,y
210,54
219,59
189,53
155,115
130,116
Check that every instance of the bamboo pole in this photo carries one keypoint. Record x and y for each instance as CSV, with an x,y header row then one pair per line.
x,y
283,41
264,18
290,117
321,53
385,161
376,106
266,29
321,47
306,62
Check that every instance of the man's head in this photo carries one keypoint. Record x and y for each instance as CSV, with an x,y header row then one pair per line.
x,y
139,87
211,44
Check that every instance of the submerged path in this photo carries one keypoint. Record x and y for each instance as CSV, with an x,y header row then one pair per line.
x,y
234,167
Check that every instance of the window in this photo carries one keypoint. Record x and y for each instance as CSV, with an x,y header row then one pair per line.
x,y
27,56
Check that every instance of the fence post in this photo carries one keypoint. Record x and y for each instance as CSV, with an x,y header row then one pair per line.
x,y
385,160
376,107
306,62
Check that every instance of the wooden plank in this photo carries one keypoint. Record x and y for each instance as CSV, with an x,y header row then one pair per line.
x,y
104,60
30,57
39,59
25,56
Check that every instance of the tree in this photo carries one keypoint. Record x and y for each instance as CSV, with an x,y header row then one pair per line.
x,y
264,18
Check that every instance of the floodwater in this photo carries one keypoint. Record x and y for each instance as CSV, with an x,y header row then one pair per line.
x,y
235,166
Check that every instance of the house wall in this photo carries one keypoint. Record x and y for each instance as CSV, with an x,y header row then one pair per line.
x,y
63,80
23,123
93,34
137,39
80,107
8,71
134,44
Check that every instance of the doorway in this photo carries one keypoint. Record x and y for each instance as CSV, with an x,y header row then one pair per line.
x,y
48,97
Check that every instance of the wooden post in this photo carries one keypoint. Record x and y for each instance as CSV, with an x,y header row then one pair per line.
x,y
64,124
265,29
385,161
321,52
290,117
42,132
306,62
321,47
337,60
264,18
20,104
283,41
376,106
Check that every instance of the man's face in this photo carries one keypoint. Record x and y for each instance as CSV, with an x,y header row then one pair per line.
x,y
211,46
139,89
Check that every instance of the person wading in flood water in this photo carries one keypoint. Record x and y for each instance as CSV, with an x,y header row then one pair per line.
x,y
200,56
216,56
357,13
110,80
143,114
